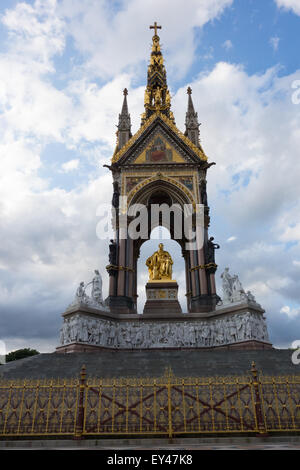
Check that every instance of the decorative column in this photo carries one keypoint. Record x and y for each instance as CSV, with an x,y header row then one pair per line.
x,y
130,272
121,290
211,267
187,279
193,265
135,255
121,276
212,283
112,271
202,273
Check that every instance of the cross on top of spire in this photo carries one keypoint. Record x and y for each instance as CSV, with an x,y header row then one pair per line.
x,y
155,27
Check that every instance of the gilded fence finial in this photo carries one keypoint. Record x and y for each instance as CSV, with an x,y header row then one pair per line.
x,y
83,372
168,372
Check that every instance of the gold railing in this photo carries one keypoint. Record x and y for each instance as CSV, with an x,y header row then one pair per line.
x,y
165,406
38,407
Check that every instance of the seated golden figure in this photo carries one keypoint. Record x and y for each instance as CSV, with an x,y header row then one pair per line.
x,y
160,265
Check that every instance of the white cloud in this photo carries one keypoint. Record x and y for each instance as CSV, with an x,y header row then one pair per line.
x,y
95,114
227,45
293,5
274,41
31,105
290,312
71,165
231,239
240,117
110,40
291,233
36,31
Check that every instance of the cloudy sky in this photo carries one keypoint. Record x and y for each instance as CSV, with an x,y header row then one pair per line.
x,y
63,66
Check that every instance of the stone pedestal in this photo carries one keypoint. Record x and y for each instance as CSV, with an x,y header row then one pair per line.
x,y
235,326
120,304
162,298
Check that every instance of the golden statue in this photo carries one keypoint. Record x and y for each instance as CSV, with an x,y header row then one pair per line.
x,y
160,265
155,44
157,96
147,98
168,98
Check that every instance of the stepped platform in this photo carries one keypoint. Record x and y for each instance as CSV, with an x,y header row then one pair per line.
x,y
151,363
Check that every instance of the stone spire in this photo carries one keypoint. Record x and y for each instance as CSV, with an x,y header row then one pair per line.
x,y
157,95
191,121
124,126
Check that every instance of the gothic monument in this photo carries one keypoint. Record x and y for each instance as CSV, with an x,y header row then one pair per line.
x,y
159,166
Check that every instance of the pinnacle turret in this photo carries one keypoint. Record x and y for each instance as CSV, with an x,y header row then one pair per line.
x,y
191,121
124,125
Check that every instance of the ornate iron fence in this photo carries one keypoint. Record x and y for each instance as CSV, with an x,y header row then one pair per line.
x,y
165,406
38,407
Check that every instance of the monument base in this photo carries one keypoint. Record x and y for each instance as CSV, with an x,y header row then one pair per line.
x,y
162,298
235,326
244,345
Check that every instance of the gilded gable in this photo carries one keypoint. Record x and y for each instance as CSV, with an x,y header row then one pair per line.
x,y
158,151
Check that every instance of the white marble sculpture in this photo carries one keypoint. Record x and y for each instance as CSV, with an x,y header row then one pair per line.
x,y
250,297
238,292
95,300
97,287
80,293
233,291
226,285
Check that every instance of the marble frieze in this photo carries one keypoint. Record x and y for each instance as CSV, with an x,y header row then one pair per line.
x,y
137,334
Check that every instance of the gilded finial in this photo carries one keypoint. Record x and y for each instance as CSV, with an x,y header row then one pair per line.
x,y
157,97
168,372
155,27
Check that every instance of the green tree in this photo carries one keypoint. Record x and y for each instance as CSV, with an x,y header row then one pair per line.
x,y
20,354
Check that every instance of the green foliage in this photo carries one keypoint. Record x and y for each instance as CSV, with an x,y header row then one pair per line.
x,y
20,354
